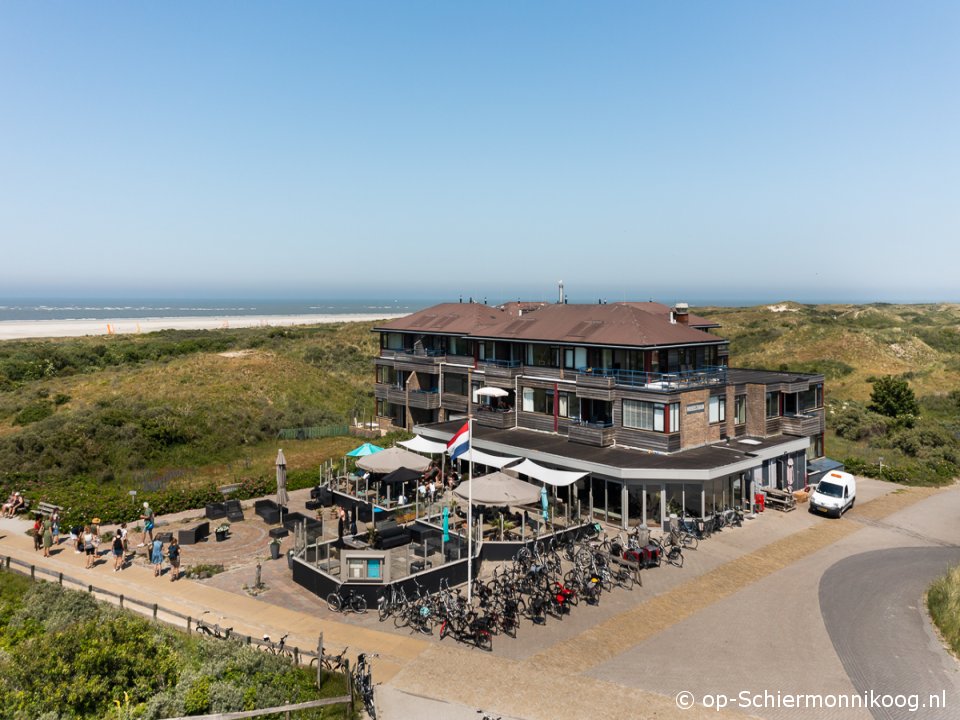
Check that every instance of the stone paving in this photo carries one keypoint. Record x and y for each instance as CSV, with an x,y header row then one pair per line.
x,y
744,607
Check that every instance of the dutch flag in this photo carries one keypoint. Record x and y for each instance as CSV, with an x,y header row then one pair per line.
x,y
460,442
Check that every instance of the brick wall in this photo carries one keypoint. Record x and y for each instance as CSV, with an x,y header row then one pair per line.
x,y
756,410
695,430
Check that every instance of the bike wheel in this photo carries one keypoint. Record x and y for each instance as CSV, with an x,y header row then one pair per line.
x,y
358,604
335,602
483,640
384,611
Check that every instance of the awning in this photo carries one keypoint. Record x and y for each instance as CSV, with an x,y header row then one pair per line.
x,y
498,489
482,458
559,478
422,445
401,475
390,459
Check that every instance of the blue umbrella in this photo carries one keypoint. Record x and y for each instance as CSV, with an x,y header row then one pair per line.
x,y
543,501
446,524
365,449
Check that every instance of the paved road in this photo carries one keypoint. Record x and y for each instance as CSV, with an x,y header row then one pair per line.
x,y
872,606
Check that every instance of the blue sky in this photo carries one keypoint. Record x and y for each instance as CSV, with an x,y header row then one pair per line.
x,y
734,150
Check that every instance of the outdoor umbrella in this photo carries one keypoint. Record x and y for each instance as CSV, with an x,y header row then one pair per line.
x,y
491,391
282,497
446,524
498,489
391,459
400,475
362,451
365,449
543,501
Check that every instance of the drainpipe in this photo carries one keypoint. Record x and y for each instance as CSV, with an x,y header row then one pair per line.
x,y
556,407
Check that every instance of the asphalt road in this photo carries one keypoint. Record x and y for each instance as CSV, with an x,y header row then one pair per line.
x,y
872,606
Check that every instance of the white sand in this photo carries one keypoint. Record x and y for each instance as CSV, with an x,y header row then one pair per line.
x,y
16,329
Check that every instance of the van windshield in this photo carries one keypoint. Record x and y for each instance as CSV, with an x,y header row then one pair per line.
x,y
830,489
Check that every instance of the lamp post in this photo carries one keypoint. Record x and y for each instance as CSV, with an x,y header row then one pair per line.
x,y
880,460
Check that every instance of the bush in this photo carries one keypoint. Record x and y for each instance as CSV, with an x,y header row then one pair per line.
x,y
893,397
32,413
943,601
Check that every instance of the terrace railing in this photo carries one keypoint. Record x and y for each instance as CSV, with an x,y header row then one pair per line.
x,y
662,381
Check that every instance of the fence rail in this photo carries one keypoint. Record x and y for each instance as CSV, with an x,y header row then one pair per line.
x,y
155,611
268,711
312,433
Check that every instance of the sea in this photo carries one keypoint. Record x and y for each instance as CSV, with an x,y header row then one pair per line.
x,y
133,309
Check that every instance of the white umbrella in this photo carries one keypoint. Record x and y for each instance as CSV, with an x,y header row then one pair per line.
x,y
498,489
491,391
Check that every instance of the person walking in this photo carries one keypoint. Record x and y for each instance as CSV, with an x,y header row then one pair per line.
x,y
173,554
55,526
341,520
88,547
47,537
117,550
156,556
122,532
148,521
353,522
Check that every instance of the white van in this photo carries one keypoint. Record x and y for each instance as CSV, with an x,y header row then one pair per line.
x,y
834,494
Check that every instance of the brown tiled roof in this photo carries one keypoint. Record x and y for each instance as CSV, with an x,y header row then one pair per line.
x,y
656,308
617,324
447,319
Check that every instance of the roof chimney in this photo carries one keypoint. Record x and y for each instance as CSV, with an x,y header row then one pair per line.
x,y
682,313
561,299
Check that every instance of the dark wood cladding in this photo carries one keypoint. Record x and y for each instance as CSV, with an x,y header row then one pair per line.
x,y
772,426
808,424
654,441
539,421
595,393
587,435
499,420
452,401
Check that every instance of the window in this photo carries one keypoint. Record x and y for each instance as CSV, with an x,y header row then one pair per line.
x,y
540,400
455,384
651,416
773,404
542,355
816,446
740,409
717,409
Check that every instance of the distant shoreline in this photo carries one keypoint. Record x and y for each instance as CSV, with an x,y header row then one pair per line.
x,y
36,329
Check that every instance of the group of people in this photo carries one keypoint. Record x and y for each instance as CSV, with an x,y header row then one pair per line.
x,y
13,505
46,532
432,483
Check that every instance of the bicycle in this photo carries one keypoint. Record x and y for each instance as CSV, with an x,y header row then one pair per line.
x,y
277,648
353,602
212,630
363,684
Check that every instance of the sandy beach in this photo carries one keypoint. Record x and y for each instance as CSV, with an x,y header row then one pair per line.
x,y
19,329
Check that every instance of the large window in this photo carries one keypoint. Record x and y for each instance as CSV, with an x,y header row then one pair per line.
x,y
542,355
540,400
455,384
643,415
740,409
717,409
773,404
810,399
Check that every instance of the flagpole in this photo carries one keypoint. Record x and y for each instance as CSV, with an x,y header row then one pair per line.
x,y
470,489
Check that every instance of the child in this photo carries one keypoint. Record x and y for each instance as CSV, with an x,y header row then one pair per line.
x,y
156,556
173,554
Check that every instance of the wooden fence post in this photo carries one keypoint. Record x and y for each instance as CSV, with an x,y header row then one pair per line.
x,y
60,579
33,572
154,611
319,661
121,601
350,686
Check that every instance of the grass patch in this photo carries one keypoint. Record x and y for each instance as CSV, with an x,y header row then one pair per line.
x,y
943,601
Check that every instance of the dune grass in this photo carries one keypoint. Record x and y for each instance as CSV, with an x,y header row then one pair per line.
x,y
943,601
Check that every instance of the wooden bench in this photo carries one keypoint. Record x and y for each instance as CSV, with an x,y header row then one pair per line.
x,y
46,509
780,499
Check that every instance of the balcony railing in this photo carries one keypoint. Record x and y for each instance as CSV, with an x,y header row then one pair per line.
x,y
423,355
591,433
500,419
501,363
666,381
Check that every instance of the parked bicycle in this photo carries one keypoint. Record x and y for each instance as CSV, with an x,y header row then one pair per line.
x,y
216,631
363,684
354,602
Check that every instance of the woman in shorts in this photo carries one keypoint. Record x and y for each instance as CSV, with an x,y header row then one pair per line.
x,y
173,554
88,547
117,550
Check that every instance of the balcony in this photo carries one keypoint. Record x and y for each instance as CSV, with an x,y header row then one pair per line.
x,y
499,419
452,401
600,378
804,425
500,369
414,359
597,434
425,399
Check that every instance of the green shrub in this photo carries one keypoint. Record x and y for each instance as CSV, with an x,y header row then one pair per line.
x,y
943,601
893,397
35,412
